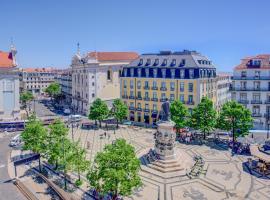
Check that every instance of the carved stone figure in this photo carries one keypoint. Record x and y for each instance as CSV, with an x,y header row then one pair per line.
x,y
165,111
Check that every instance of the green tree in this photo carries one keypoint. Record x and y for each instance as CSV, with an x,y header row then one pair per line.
x,y
58,132
119,110
236,118
115,170
53,90
26,98
204,116
79,161
179,114
35,136
98,111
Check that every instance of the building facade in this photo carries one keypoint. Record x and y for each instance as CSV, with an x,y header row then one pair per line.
x,y
9,86
251,87
64,78
36,80
97,75
152,78
223,89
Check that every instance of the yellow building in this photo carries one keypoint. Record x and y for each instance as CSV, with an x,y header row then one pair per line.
x,y
152,78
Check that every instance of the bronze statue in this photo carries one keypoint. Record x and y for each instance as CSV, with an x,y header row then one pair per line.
x,y
165,107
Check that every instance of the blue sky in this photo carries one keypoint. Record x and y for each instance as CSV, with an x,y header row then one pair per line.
x,y
46,32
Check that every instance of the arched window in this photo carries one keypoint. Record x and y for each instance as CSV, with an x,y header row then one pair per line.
x,y
109,75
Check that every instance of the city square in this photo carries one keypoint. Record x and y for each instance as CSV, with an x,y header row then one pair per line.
x,y
226,177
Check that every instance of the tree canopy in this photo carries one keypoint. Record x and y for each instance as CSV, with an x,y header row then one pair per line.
x,y
204,116
115,169
179,114
35,136
25,98
98,110
119,110
53,89
236,118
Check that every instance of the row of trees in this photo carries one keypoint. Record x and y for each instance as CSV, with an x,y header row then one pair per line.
x,y
52,143
232,117
100,111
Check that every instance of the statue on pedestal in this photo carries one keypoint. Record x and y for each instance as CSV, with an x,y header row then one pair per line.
x,y
165,111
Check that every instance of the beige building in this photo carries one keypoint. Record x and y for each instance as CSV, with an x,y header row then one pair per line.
x,y
36,80
97,75
223,89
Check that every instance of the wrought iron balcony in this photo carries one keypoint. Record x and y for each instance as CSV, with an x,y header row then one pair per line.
x,y
146,110
131,97
146,98
172,89
190,102
267,115
139,109
267,101
154,99
154,88
251,78
243,101
256,101
163,88
146,87
154,111
256,115
248,89
131,108
124,97
139,98
138,87
162,100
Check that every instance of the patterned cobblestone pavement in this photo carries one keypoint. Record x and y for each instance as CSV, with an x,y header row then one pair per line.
x,y
226,176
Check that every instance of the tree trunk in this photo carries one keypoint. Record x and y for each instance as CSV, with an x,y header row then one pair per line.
x,y
95,122
204,135
99,123
117,123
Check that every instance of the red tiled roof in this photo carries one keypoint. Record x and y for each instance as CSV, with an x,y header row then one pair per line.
x,y
113,56
6,60
38,70
265,62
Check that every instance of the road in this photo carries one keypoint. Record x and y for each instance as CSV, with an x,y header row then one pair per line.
x,y
8,190
40,109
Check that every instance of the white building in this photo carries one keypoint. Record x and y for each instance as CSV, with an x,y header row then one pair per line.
x,y
64,78
36,80
223,89
97,75
251,87
9,86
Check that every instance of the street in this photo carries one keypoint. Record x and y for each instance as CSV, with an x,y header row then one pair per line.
x,y
8,190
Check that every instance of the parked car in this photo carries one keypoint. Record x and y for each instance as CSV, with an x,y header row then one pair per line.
x,y
75,118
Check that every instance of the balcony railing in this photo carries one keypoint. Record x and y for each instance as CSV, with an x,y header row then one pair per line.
x,y
256,115
139,109
163,88
154,111
138,87
190,102
172,89
154,88
146,98
146,110
251,78
267,115
242,101
256,101
267,101
146,87
131,97
162,100
139,98
131,108
124,97
154,99
248,89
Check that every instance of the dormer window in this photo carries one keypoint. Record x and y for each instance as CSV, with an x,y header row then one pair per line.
x,y
156,62
131,72
173,62
243,74
256,62
163,71
148,62
182,63
147,72
155,73
164,63
172,73
139,72
141,62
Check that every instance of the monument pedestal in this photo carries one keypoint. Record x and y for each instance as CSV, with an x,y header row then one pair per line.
x,y
164,147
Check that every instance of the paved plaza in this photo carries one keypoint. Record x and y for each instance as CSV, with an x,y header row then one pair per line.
x,y
225,177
